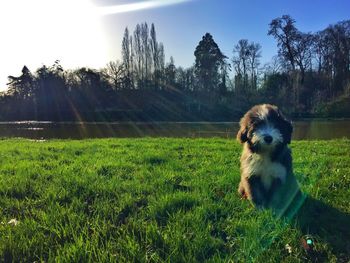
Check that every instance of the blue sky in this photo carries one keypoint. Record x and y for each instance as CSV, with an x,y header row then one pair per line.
x,y
180,27
37,32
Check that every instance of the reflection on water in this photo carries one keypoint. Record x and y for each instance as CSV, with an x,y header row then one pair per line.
x,y
303,130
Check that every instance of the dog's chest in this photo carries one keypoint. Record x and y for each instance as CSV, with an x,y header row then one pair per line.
x,y
262,166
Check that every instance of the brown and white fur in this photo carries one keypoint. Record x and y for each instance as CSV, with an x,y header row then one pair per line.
x,y
266,160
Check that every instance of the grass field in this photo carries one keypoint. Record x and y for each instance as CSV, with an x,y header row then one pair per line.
x,y
155,200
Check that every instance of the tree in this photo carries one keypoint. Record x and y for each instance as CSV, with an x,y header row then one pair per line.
x,y
337,56
286,34
275,89
208,60
21,87
240,60
117,75
295,48
303,54
154,52
273,67
224,69
145,54
137,48
127,61
161,60
170,73
51,91
246,60
254,62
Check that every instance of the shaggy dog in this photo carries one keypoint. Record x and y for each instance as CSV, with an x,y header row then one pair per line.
x,y
266,161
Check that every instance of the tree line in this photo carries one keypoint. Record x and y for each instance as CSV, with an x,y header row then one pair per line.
x,y
310,76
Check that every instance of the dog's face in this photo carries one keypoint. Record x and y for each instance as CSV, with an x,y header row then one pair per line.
x,y
264,128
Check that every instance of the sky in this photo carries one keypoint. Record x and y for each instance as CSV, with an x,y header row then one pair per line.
x,y
88,33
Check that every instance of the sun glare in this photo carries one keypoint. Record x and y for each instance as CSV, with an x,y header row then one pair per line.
x,y
123,8
37,32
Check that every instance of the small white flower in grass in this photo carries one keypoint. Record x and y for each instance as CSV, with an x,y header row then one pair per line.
x,y
288,248
13,222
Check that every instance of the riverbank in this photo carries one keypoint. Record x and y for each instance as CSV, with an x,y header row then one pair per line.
x,y
158,199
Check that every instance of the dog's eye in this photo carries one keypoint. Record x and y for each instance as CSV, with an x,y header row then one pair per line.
x,y
259,124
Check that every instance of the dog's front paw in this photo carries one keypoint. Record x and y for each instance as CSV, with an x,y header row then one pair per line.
x,y
241,191
244,195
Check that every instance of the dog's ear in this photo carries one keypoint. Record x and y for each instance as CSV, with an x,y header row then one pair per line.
x,y
287,128
242,134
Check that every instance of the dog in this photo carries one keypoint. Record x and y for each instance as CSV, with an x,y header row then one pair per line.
x,y
266,160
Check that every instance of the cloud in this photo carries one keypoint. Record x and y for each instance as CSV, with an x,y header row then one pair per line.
x,y
116,9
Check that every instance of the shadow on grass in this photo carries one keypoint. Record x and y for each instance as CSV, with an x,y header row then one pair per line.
x,y
324,222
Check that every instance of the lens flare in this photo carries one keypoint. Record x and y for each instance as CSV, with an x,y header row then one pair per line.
x,y
116,9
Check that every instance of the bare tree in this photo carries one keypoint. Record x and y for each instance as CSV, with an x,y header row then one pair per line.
x,y
115,73
294,47
285,32
246,59
254,61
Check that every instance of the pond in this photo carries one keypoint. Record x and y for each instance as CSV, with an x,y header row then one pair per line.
x,y
303,130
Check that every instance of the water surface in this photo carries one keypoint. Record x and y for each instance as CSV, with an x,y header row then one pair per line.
x,y
303,130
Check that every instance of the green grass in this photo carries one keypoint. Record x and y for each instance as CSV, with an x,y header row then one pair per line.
x,y
155,200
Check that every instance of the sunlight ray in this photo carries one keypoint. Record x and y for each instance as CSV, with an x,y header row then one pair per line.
x,y
123,8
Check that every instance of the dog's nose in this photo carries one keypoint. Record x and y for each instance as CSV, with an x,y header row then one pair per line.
x,y
268,139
